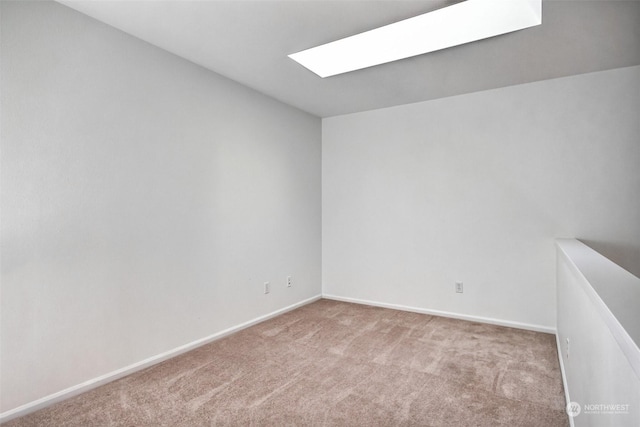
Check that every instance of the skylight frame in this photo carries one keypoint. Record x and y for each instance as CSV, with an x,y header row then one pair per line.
x,y
454,25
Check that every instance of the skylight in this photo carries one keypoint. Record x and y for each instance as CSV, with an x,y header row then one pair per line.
x,y
458,24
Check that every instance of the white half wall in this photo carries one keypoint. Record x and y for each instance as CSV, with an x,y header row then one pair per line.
x,y
145,200
598,336
475,188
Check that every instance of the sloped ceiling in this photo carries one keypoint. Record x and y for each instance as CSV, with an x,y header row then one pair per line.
x,y
248,41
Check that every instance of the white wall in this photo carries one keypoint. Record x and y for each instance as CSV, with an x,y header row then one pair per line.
x,y
145,201
598,315
475,188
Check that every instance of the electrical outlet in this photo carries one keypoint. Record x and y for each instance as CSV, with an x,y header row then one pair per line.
x,y
266,287
459,288
289,281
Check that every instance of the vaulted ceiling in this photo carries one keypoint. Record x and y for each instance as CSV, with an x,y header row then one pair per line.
x,y
248,41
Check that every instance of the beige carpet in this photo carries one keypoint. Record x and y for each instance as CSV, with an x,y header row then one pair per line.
x,y
334,363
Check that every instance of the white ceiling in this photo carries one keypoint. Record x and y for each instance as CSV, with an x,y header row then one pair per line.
x,y
248,41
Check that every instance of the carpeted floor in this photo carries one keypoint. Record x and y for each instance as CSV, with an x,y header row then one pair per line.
x,y
334,363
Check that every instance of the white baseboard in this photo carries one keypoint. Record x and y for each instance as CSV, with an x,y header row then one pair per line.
x,y
479,319
127,370
565,386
